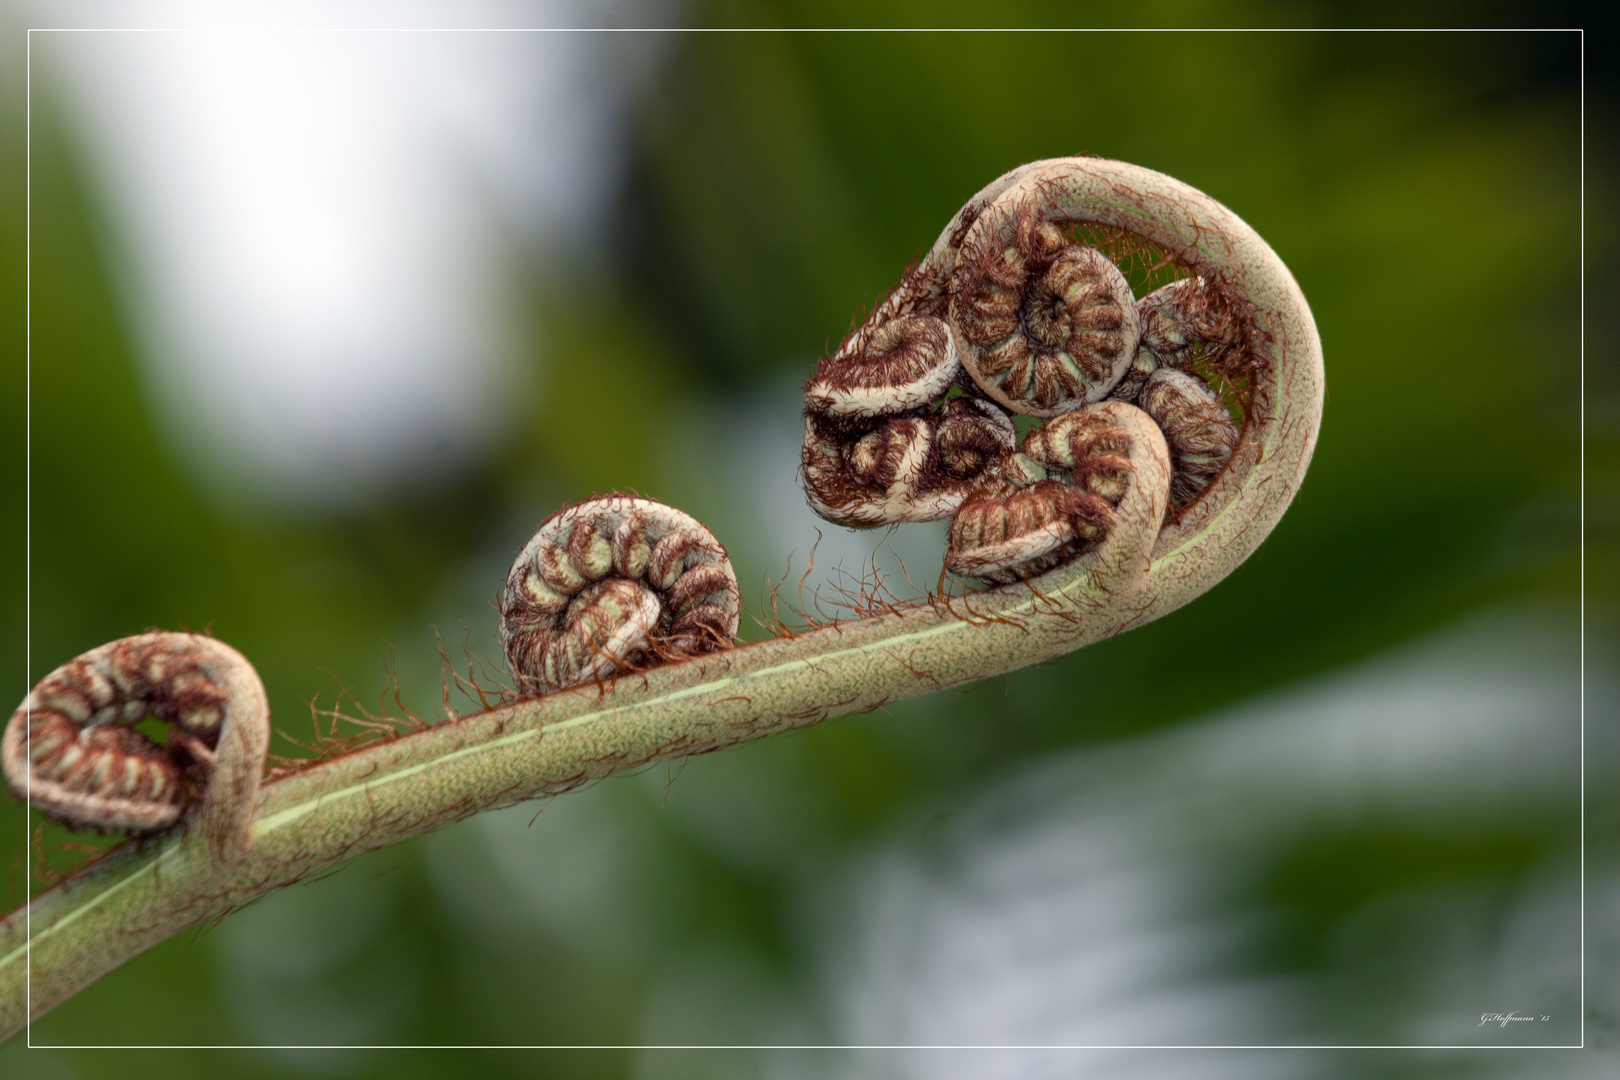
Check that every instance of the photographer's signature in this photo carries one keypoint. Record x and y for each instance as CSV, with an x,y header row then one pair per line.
x,y
1504,1019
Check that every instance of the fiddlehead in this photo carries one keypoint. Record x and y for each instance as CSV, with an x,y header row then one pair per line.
x,y
1080,524
1045,326
611,584
70,748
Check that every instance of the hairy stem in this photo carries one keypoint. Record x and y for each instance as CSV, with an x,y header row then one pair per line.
x,y
139,895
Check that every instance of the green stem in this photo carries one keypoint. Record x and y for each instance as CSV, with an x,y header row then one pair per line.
x,y
74,933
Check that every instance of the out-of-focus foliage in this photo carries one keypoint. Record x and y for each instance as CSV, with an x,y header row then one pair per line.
x,y
1425,191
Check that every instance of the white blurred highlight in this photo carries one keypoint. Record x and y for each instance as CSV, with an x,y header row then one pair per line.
x,y
318,227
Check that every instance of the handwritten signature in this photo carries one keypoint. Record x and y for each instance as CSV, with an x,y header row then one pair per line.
x,y
1504,1019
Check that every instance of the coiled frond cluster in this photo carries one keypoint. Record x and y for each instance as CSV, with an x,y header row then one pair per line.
x,y
911,419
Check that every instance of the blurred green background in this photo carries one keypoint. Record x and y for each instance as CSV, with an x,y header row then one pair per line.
x,y
1353,767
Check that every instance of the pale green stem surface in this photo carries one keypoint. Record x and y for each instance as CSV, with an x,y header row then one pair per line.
x,y
77,931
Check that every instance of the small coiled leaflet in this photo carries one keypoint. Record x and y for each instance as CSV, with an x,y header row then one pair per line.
x,y
1042,324
611,584
1195,424
71,750
905,363
1089,461
902,468
1178,321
